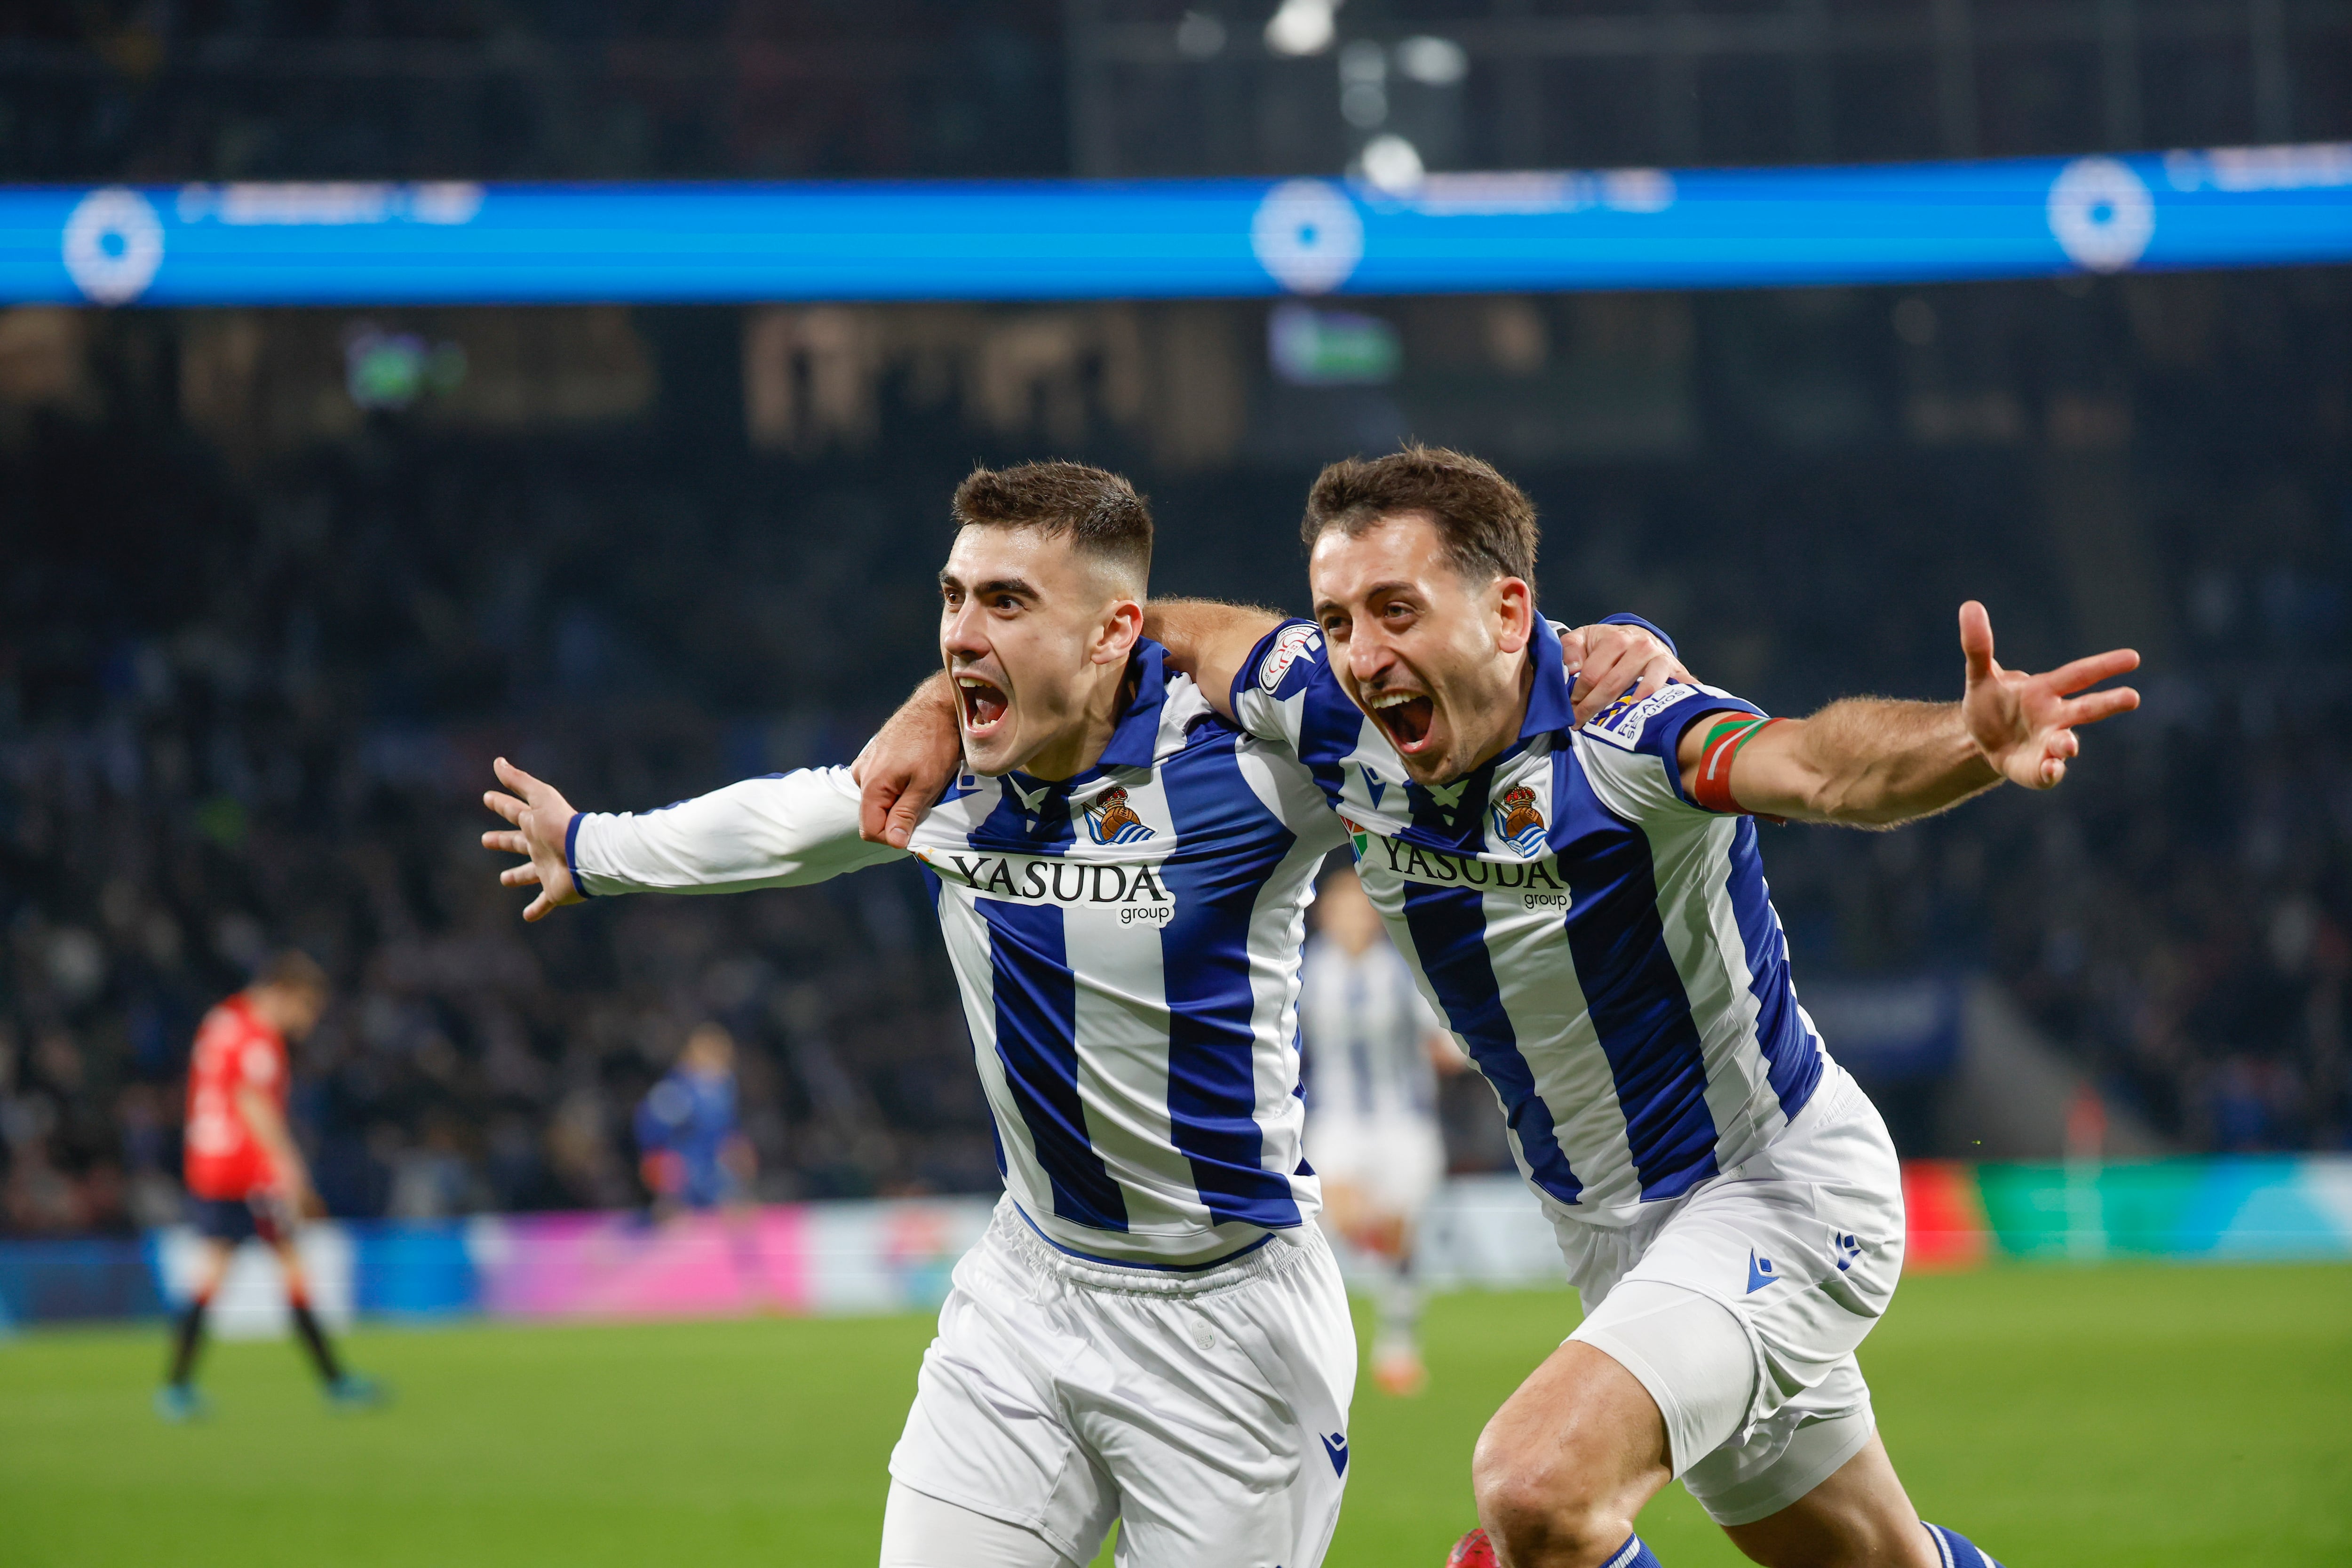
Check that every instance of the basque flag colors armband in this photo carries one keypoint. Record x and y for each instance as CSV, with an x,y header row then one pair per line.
x,y
1712,788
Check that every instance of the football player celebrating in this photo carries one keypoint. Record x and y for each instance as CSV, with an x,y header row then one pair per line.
x,y
247,1179
1579,890
1373,1051
1151,1332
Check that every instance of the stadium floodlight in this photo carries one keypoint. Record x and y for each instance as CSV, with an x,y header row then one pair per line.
x,y
1432,61
1303,26
1390,163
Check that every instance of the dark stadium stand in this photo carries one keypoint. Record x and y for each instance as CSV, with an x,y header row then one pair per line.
x,y
254,663
279,584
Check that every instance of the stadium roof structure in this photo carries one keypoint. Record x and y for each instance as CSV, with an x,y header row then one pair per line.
x,y
456,243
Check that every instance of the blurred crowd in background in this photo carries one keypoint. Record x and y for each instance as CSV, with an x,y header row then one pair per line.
x,y
279,584
250,688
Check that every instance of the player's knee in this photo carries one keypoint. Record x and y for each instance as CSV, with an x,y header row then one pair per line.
x,y
1541,1508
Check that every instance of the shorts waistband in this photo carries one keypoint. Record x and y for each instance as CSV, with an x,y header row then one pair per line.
x,y
1263,1258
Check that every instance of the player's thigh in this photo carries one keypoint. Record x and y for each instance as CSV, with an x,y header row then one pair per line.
x,y
1580,1439
1858,1518
1229,1444
1803,1245
923,1531
988,1431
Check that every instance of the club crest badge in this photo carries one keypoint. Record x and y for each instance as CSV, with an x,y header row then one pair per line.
x,y
1520,821
1111,820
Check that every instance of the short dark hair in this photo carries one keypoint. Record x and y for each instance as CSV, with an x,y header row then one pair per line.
x,y
1486,523
1098,511
293,970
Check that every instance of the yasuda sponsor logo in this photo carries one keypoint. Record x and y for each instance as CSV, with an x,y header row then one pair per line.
x,y
1536,881
1136,891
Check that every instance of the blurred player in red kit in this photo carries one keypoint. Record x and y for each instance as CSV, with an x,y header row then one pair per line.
x,y
246,1177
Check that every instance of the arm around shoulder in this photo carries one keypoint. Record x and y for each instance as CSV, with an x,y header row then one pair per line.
x,y
1209,641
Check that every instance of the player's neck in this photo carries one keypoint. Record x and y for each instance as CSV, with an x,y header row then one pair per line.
x,y
1513,716
1082,742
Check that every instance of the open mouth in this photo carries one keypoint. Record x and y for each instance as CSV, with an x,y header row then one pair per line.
x,y
983,705
1405,715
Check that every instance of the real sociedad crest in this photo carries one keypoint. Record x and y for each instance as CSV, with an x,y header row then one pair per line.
x,y
1520,821
1111,820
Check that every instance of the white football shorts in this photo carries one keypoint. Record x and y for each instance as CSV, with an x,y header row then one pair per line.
x,y
1740,1305
1207,1413
1395,1161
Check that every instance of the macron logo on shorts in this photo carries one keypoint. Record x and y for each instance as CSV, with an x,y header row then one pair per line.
x,y
1759,1272
1335,1445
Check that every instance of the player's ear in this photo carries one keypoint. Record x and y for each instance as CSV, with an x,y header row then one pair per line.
x,y
1512,603
1122,625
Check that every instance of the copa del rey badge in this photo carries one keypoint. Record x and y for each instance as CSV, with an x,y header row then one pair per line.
x,y
1290,643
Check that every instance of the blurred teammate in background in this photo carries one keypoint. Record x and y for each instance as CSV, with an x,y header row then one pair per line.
x,y
1373,1052
690,1149
247,1179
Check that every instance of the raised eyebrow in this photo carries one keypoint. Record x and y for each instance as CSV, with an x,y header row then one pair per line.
x,y
1328,607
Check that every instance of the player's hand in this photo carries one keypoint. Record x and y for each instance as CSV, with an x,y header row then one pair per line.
x,y
1614,661
2024,724
541,817
907,764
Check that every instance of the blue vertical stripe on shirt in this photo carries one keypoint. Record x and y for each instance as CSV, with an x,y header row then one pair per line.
x,y
1631,989
1205,963
1036,1039
1449,933
1794,1060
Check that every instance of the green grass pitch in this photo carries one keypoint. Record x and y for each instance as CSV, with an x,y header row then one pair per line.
x,y
2128,1416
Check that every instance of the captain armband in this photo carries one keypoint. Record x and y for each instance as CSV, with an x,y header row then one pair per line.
x,y
1712,788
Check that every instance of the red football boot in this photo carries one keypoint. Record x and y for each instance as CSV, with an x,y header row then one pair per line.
x,y
1473,1550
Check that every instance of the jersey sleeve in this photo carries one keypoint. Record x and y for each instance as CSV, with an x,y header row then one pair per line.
x,y
1634,758
1287,693
782,831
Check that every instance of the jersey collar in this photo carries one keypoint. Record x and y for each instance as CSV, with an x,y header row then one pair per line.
x,y
1134,739
1549,707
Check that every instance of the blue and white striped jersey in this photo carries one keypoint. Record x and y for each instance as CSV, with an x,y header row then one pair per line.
x,y
1604,949
1127,943
1363,1023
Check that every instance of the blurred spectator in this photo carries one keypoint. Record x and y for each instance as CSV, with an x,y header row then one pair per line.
x,y
251,700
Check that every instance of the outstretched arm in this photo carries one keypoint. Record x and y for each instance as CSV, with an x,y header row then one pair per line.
x,y
541,820
762,833
1874,763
